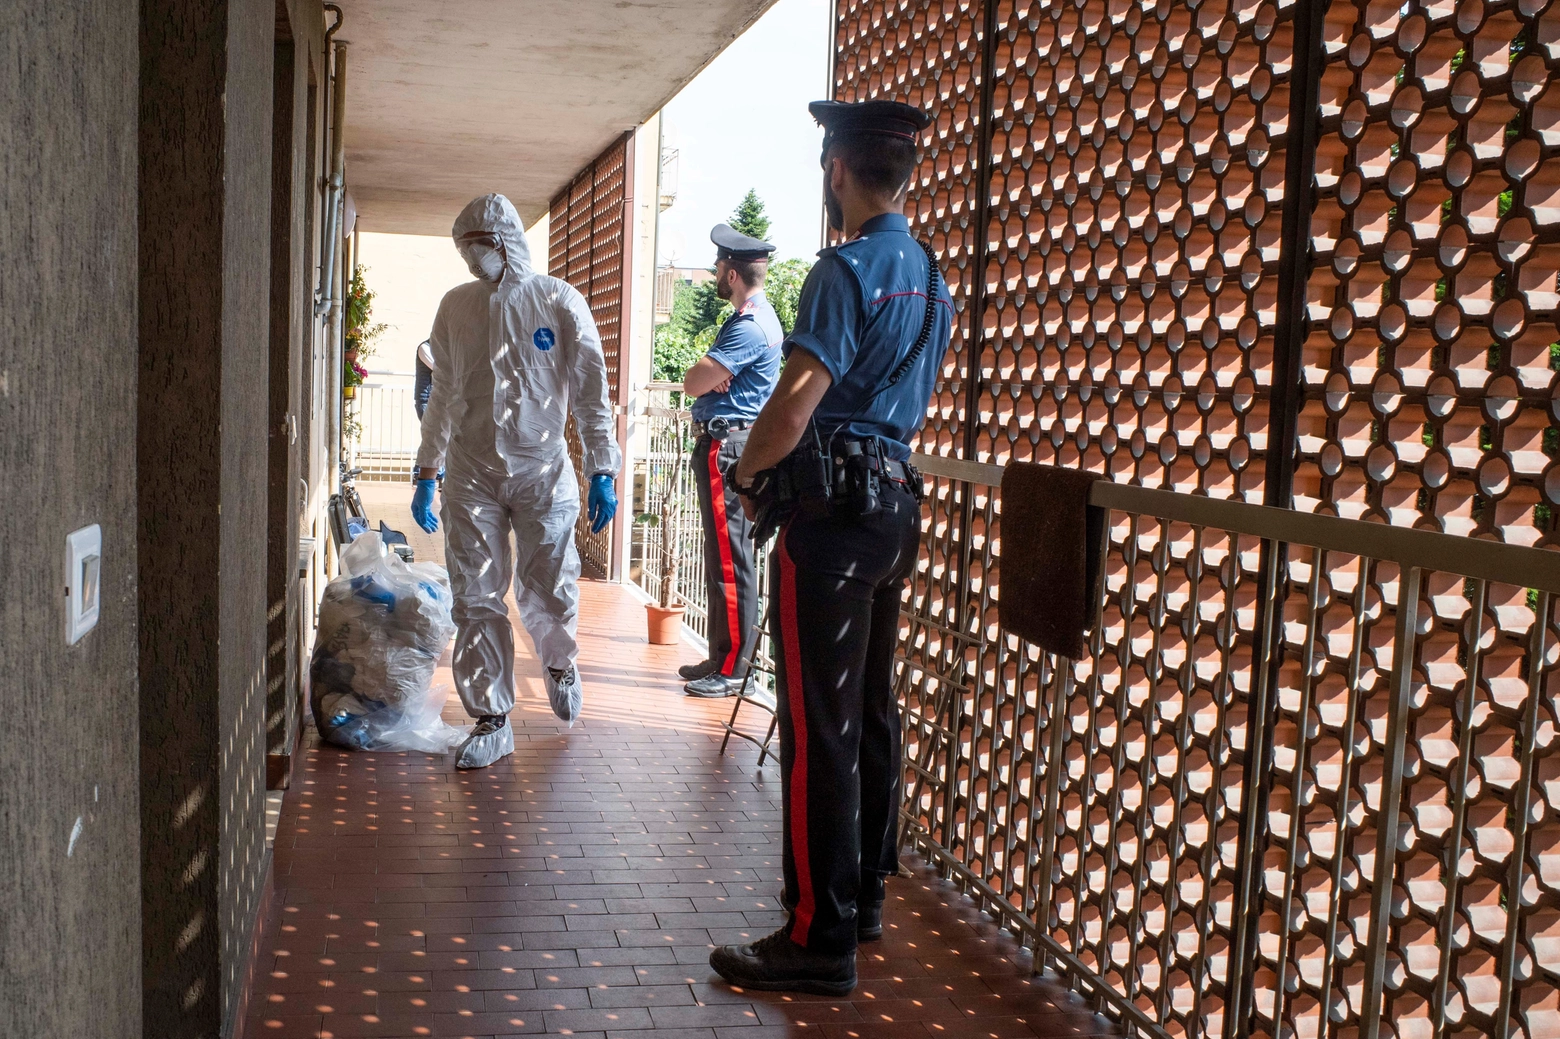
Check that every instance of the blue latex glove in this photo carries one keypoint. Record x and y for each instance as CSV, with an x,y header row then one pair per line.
x,y
422,506
603,502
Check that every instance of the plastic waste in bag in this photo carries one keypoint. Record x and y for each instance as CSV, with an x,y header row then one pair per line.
x,y
395,541
383,626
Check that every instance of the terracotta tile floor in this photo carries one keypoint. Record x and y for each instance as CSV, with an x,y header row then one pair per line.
x,y
576,888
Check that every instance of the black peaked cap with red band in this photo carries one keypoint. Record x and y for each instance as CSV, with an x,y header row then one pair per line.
x,y
731,244
878,118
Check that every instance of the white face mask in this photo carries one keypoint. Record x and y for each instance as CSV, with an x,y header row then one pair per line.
x,y
485,262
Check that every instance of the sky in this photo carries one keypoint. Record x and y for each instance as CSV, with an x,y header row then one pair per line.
x,y
742,123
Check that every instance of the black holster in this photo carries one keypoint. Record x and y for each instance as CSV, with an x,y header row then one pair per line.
x,y
845,479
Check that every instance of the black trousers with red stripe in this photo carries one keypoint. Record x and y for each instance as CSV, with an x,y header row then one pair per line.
x,y
837,583
729,580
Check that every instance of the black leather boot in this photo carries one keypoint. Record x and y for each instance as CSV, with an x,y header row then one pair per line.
x,y
777,964
869,922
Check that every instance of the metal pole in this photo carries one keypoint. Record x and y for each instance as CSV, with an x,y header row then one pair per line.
x,y
335,321
1388,822
1528,740
975,305
337,182
327,213
974,342
329,306
1256,782
1451,859
1294,255
623,520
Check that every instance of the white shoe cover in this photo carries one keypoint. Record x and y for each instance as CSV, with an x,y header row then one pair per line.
x,y
563,689
485,745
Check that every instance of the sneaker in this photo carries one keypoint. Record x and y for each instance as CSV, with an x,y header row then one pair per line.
x,y
491,738
713,687
777,964
694,672
563,690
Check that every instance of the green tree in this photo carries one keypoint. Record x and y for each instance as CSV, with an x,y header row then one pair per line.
x,y
783,286
705,308
696,309
749,218
674,354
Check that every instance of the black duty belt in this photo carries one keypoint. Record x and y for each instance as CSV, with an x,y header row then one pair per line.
x,y
717,428
845,478
888,468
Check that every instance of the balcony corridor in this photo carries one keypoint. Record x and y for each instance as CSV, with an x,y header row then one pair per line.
x,y
576,888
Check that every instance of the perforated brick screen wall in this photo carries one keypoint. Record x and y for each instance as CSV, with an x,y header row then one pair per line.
x,y
1293,256
586,245
588,249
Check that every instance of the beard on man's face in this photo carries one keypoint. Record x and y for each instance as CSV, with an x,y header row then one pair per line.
x,y
723,286
832,207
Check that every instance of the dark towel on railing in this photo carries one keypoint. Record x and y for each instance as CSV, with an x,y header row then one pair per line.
x,y
1050,556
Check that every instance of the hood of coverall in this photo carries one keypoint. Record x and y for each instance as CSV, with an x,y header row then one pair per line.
x,y
496,215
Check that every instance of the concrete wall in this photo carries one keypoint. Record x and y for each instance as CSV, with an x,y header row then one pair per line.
x,y
294,193
142,174
289,183
205,118
245,346
69,901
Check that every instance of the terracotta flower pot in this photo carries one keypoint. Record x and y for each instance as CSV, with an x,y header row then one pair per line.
x,y
352,356
665,624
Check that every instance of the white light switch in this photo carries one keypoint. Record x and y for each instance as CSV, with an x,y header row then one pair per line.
x,y
83,581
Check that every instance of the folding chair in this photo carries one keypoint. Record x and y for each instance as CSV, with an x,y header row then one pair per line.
x,y
758,697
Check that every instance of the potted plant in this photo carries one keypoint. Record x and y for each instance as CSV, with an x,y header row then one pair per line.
x,y
357,334
665,619
352,377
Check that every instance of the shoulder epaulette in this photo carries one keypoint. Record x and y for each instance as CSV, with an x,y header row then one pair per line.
x,y
854,241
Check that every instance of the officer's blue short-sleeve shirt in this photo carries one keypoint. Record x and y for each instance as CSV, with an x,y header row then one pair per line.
x,y
747,346
860,312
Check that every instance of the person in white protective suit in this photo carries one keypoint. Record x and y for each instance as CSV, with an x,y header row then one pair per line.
x,y
514,353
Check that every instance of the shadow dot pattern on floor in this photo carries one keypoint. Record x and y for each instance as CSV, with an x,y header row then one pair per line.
x,y
577,887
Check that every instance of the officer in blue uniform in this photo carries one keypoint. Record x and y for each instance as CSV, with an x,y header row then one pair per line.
x,y
829,457
422,380
731,382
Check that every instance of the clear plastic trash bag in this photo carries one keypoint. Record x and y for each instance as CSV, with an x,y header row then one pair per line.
x,y
383,625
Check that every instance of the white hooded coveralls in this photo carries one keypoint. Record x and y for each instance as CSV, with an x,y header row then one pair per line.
x,y
511,361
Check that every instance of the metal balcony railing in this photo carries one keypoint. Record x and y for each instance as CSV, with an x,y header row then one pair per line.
x,y
667,479
389,430
1306,778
